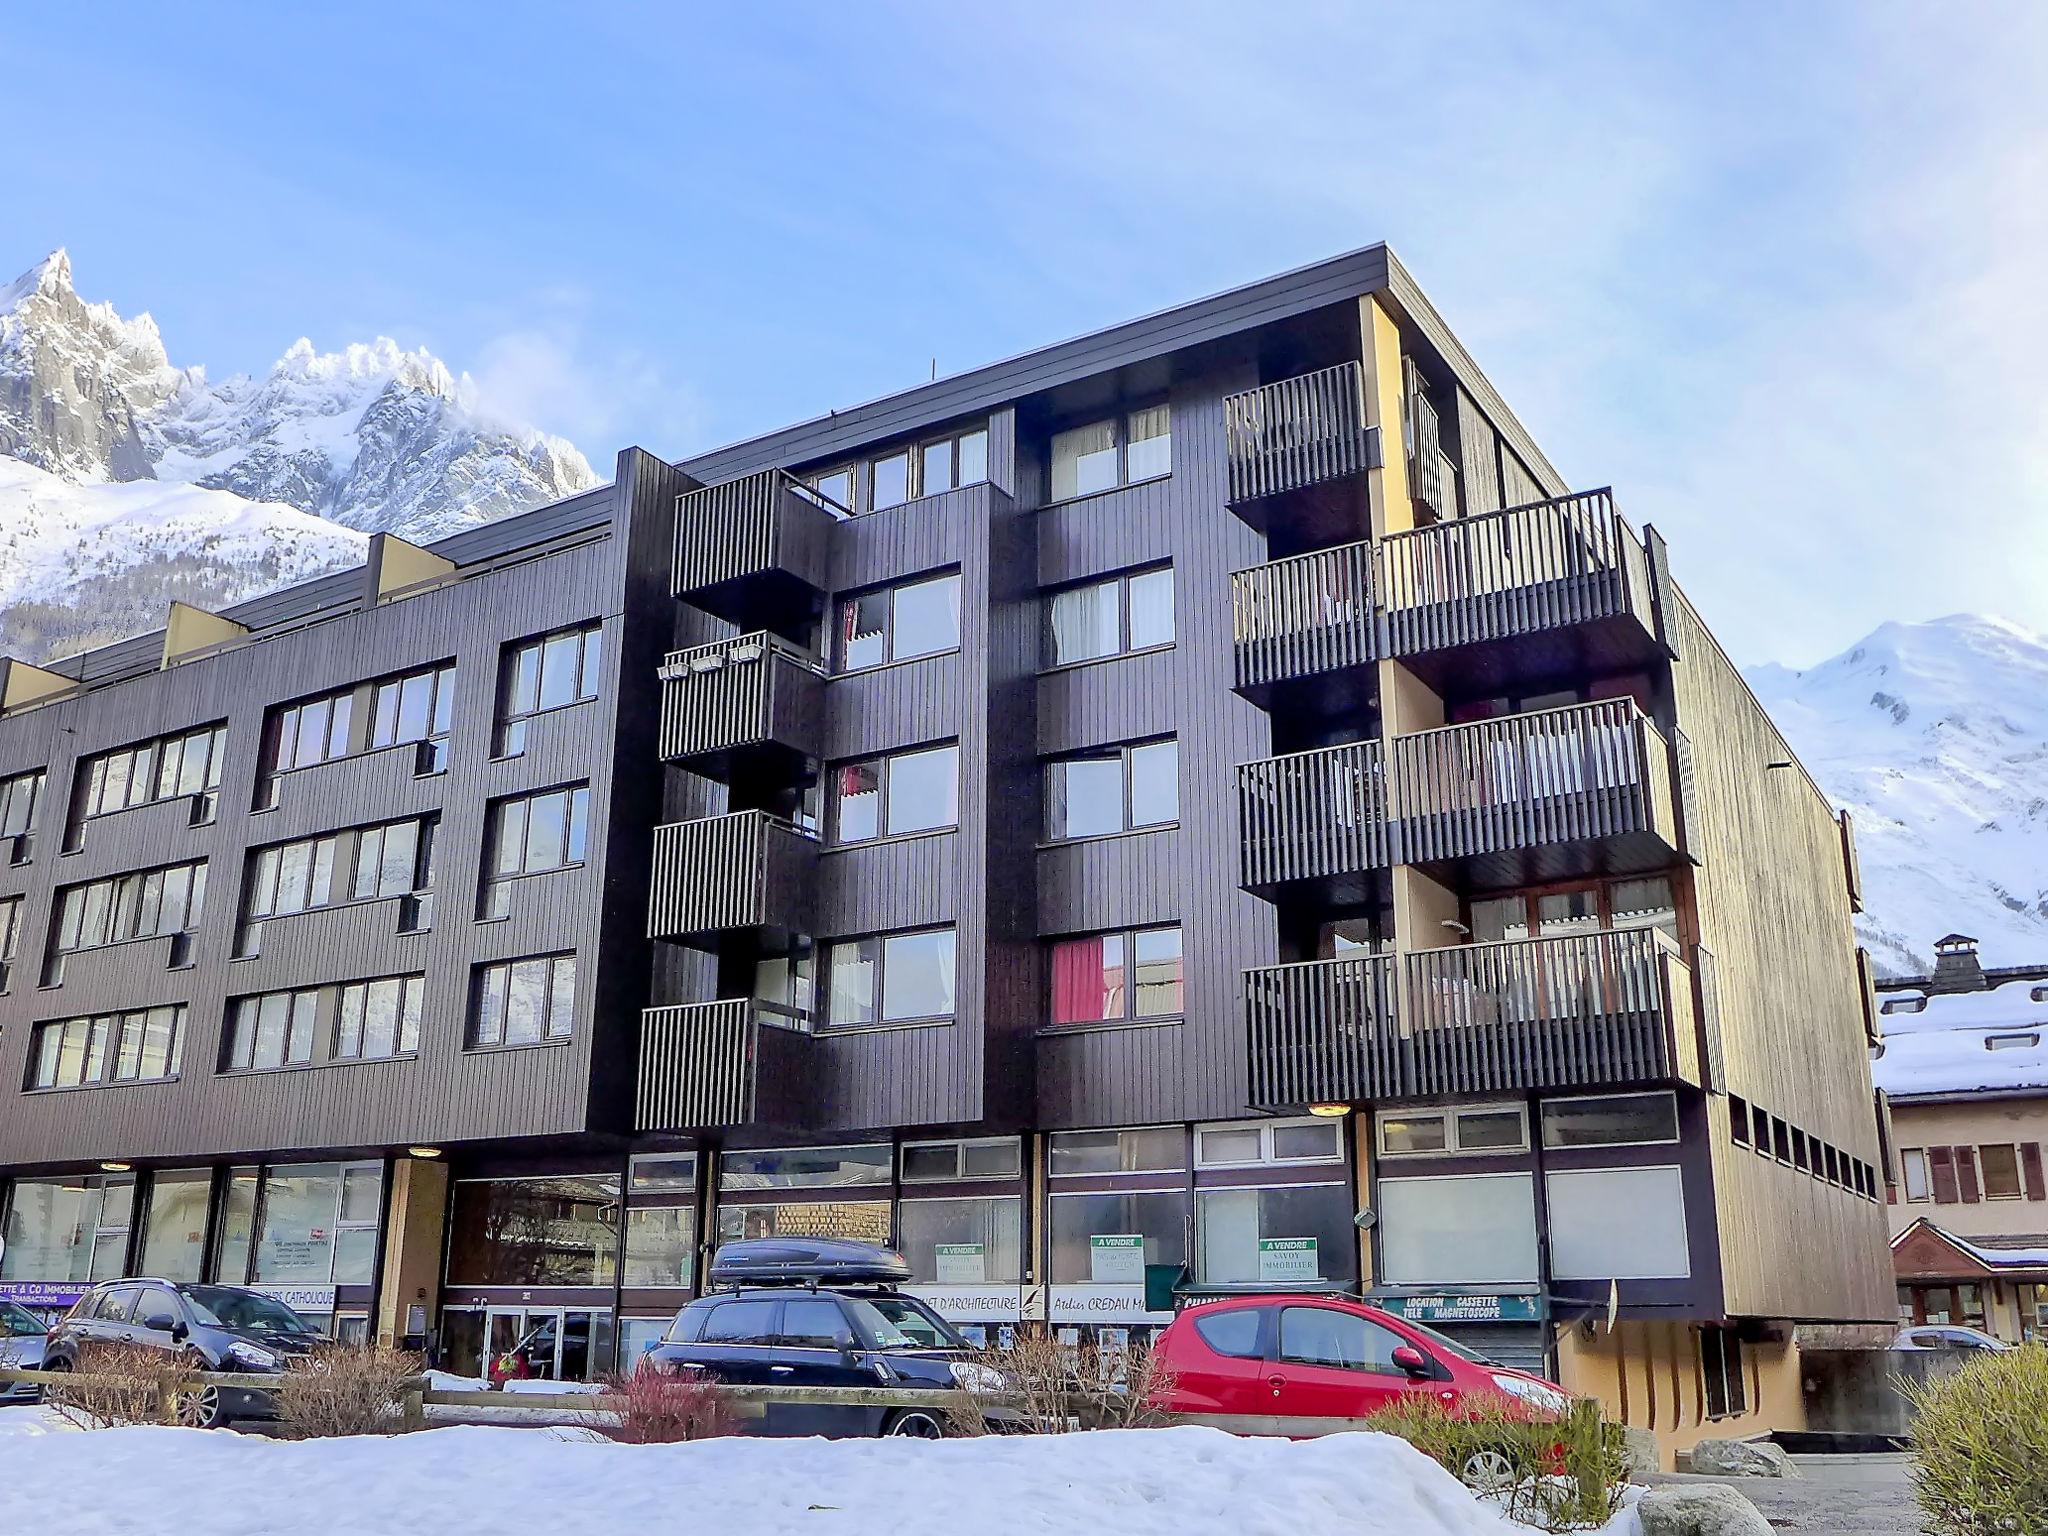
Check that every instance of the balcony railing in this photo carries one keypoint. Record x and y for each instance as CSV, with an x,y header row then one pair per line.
x,y
704,1066
746,869
1312,815
1515,572
1583,1010
1298,432
766,536
1304,615
751,694
1580,774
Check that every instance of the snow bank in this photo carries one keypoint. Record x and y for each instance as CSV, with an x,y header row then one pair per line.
x,y
488,1481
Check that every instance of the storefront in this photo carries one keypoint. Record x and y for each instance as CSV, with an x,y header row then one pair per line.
x,y
1119,1212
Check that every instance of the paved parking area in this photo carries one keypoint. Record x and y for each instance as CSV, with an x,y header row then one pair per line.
x,y
1839,1496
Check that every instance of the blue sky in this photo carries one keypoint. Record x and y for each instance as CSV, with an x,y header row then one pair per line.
x,y
1773,271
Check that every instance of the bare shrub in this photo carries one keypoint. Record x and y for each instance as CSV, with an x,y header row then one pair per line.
x,y
342,1389
651,1406
118,1384
1039,1385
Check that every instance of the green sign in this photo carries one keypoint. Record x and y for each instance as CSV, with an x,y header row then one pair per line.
x,y
1116,1258
960,1263
1288,1258
1468,1307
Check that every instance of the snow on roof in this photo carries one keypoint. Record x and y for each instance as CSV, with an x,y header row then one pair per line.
x,y
1993,1252
1962,1042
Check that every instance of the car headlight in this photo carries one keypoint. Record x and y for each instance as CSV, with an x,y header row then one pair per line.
x,y
252,1356
1535,1393
976,1377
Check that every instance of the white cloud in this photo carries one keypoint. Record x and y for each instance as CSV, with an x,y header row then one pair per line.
x,y
552,374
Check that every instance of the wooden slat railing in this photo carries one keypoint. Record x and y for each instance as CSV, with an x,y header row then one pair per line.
x,y
1298,432
745,869
1514,572
1311,815
1550,776
708,1065
720,696
1321,1031
1304,615
761,523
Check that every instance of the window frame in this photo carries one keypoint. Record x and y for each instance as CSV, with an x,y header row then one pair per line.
x,y
1267,1157
1451,1115
509,728
143,783
479,996
2019,1183
1911,1158
884,764
491,900
250,1007
103,1044
1119,423
1121,581
959,1175
1125,753
1668,1095
879,988
1129,1017
890,591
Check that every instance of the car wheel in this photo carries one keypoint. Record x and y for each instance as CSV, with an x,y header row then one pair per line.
x,y
915,1424
201,1409
1487,1472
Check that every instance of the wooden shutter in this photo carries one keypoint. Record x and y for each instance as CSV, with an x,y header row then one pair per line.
x,y
1966,1173
2030,1166
1941,1168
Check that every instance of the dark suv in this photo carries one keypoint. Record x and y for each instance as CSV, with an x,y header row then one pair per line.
x,y
821,1313
215,1327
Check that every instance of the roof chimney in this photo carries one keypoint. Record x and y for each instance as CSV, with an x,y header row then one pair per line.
x,y
1956,968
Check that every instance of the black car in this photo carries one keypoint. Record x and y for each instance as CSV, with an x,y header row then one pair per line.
x,y
825,1314
215,1327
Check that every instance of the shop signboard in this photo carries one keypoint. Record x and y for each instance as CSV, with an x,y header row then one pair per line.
x,y
960,1263
971,1303
1117,1258
1288,1259
43,1295
306,1299
1465,1307
1119,1304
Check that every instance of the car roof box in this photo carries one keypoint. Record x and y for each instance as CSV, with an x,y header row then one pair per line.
x,y
797,1260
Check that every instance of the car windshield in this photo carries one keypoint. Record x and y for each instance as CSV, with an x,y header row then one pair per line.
x,y
898,1322
19,1322
1448,1345
249,1311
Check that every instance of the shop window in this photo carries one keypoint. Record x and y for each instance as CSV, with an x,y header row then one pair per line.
x,y
860,1221
661,1220
1112,1238
1268,1141
1461,1229
1614,1120
806,1167
1109,978
1275,1235
559,1230
1106,454
319,1224
941,1162
546,673
919,618
1116,617
174,1229
1481,1129
963,1242
71,1229
1112,789
1617,1224
1721,1372
896,795
1161,1149
890,978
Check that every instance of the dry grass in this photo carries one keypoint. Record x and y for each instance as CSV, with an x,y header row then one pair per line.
x,y
1052,1388
342,1389
119,1384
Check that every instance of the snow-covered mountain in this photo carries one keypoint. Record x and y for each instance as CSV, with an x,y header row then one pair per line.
x,y
125,481
1935,736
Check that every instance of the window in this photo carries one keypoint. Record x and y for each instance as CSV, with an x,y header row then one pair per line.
x,y
1110,977
1107,454
834,488
141,1045
271,1030
927,1162
786,985
534,835
973,1241
1913,1164
70,1228
1721,1372
20,794
2000,1169
1479,1130
1617,1224
379,1019
292,878
890,978
419,706
174,1231
661,1220
806,1167
889,485
740,1322
393,858
534,1231
921,618
549,672
1233,1334
892,796
319,1224
1160,1150
163,769
1738,1121
1268,1141
1342,1340
412,707
1114,789
813,1322
1275,1234
1111,1238
10,936
1620,1120
1460,1229
1108,618
141,905
523,1002
958,460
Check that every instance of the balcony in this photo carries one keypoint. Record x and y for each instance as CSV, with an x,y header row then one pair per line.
x,y
1527,592
750,705
1314,818
1582,1010
1551,795
1301,435
743,870
707,1066
1308,616
753,551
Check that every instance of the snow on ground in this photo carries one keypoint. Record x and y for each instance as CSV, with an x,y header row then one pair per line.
x,y
487,1481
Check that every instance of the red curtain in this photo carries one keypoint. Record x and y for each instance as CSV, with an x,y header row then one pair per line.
x,y
1078,985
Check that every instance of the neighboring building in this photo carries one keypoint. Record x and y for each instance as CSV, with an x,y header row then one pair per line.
x,y
1964,1077
1132,808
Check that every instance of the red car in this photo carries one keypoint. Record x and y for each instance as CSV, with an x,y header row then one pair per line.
x,y
1323,1357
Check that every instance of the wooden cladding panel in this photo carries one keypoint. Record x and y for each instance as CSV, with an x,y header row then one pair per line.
x,y
900,883
1313,815
749,691
1298,432
1112,882
1125,1076
750,527
1106,703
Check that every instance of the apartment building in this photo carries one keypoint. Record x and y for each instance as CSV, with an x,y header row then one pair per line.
x,y
1203,805
1964,1082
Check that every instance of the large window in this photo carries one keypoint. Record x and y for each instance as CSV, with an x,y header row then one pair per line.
x,y
1617,1224
1461,1229
890,978
524,1002
20,795
978,1240
1275,1234
892,796
1093,1235
413,707
1106,454
141,905
73,1228
319,1224
548,672
163,769
140,1045
380,1018
542,1231
661,1220
1111,977
534,835
920,618
272,1030
1109,618
1112,789
174,1232
391,859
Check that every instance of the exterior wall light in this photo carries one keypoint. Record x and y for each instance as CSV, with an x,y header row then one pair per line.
x,y
115,1167
422,1151
1330,1111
